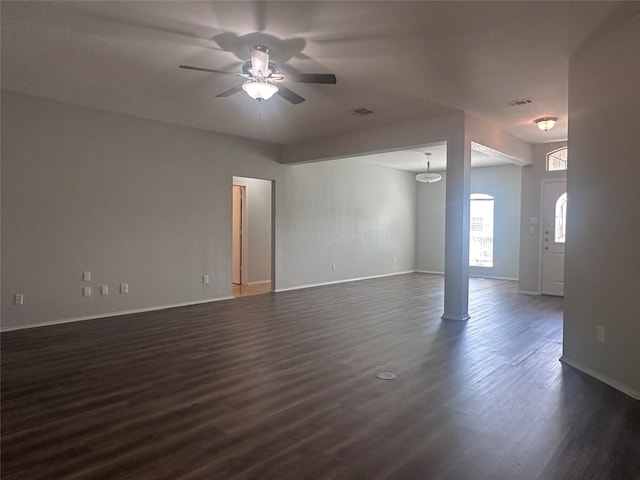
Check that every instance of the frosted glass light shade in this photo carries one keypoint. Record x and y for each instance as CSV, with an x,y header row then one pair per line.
x,y
260,90
546,123
428,177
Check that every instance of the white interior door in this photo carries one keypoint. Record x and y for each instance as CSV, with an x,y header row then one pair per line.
x,y
554,210
237,240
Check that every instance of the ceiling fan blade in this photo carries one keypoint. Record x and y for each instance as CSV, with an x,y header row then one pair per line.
x,y
327,78
202,69
288,95
231,91
260,60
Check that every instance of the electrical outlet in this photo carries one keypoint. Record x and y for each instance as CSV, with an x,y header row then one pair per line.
x,y
205,279
86,276
600,333
333,266
18,299
395,260
104,290
124,288
86,291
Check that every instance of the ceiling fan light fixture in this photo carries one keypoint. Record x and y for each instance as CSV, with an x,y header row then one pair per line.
x,y
259,90
546,123
262,76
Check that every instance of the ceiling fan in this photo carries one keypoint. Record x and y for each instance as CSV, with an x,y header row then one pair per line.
x,y
264,78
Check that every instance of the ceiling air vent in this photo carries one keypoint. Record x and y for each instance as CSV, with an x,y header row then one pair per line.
x,y
362,111
522,101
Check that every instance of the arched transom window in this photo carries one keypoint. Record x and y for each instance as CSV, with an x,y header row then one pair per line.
x,y
557,159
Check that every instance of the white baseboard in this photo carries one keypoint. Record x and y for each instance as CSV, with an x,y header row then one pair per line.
x,y
492,277
310,285
113,314
430,272
528,292
603,378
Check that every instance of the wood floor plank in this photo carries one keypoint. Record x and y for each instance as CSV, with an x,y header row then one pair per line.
x,y
283,386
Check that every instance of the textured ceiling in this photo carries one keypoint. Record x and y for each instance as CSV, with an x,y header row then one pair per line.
x,y
402,60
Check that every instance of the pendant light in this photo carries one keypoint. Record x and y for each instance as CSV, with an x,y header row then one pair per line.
x,y
428,177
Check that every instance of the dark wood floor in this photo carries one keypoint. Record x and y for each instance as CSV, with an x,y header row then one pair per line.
x,y
248,290
283,386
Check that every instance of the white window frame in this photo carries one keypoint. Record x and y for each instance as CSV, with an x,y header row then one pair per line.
x,y
551,154
560,221
480,237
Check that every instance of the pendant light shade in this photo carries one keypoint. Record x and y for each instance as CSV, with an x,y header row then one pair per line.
x,y
428,177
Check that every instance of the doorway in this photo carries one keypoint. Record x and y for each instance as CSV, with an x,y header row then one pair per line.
x,y
252,236
238,221
554,216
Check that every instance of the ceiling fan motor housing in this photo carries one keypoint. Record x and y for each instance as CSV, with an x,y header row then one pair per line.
x,y
247,70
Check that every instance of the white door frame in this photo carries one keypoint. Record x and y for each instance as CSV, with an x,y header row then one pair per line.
x,y
245,184
243,233
541,225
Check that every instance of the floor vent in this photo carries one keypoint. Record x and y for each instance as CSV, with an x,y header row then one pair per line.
x,y
362,111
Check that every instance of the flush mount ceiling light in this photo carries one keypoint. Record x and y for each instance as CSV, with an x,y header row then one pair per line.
x,y
259,90
546,123
428,177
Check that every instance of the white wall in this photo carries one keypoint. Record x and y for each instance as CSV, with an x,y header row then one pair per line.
x,y
602,263
446,127
532,176
149,204
130,200
430,225
258,229
356,215
501,182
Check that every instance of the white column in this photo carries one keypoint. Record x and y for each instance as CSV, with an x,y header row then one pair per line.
x,y
456,250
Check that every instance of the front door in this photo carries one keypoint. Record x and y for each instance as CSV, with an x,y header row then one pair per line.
x,y
554,215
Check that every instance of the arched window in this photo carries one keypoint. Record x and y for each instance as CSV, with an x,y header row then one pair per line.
x,y
557,159
561,217
481,230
